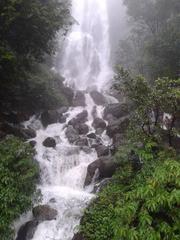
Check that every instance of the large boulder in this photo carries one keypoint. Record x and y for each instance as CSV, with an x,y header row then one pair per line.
x,y
117,110
81,142
44,213
50,117
80,118
26,232
117,126
106,167
71,134
79,99
98,98
82,128
102,150
92,135
49,142
53,116
99,123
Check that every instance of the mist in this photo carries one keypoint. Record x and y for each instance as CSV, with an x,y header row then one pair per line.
x,y
118,24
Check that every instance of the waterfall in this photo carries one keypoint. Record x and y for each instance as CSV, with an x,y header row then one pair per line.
x,y
87,53
86,67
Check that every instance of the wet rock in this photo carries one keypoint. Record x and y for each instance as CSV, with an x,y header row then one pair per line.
x,y
44,213
49,142
82,128
26,232
52,200
82,142
117,126
71,134
117,110
91,135
99,123
50,117
79,99
102,150
100,186
80,118
62,119
32,143
98,98
106,167
99,131
86,149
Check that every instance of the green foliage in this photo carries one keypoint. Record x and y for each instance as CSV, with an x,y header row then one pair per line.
x,y
18,178
27,38
138,206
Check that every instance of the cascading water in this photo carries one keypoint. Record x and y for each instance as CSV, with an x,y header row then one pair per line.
x,y
86,62
85,66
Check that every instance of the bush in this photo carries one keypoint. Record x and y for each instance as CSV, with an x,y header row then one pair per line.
x,y
144,205
18,177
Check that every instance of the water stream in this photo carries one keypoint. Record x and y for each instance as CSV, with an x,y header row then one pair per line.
x,y
85,66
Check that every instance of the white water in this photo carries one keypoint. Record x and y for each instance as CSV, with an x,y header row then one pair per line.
x,y
63,169
87,54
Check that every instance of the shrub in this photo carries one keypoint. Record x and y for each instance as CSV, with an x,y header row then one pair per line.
x,y
18,177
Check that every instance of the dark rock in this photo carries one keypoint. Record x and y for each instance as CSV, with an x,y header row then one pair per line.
x,y
44,213
101,185
106,167
91,135
99,123
98,98
49,142
26,232
99,131
50,117
86,149
117,110
117,126
102,150
78,236
52,200
62,119
80,118
32,143
82,128
79,99
71,134
82,142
